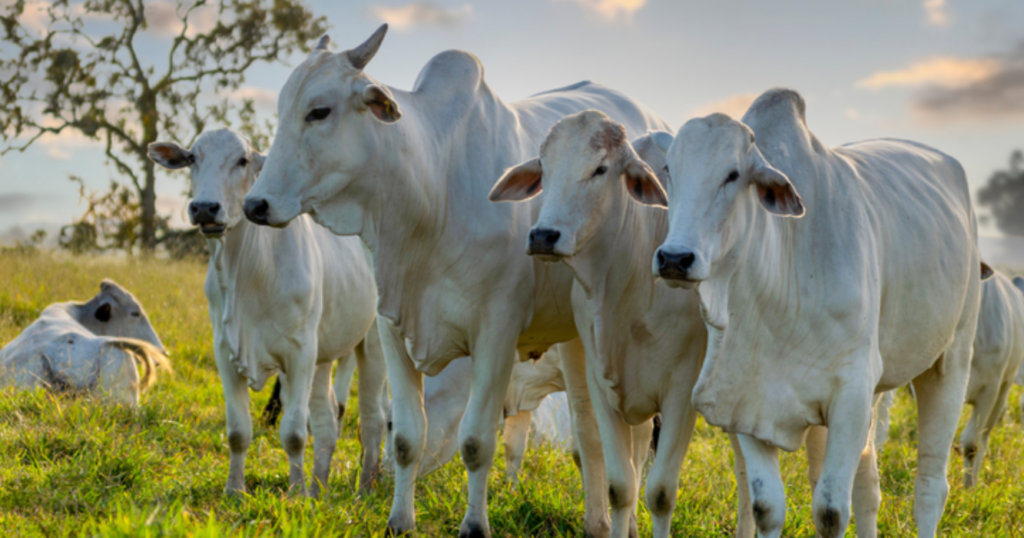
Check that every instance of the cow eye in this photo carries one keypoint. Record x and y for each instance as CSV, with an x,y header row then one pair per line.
x,y
601,170
136,314
318,114
733,176
243,162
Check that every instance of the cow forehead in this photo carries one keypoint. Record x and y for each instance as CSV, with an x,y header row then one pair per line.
x,y
588,133
711,139
320,71
219,142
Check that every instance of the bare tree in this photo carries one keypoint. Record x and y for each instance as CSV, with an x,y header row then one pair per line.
x,y
94,80
1004,196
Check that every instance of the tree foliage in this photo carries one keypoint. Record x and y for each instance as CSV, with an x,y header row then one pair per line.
x,y
87,72
1004,196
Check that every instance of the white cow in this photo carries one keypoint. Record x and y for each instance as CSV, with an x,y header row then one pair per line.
x,y
998,352
644,344
808,316
409,173
97,345
292,300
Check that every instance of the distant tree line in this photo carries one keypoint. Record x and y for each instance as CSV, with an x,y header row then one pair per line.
x,y
92,79
1003,195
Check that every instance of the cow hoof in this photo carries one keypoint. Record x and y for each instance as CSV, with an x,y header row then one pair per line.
x,y
393,531
473,530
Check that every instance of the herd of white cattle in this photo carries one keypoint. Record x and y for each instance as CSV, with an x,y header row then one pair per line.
x,y
788,289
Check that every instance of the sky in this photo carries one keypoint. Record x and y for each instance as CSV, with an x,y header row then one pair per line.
x,y
949,73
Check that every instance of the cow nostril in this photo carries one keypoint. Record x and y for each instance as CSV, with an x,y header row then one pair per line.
x,y
257,210
552,237
686,260
661,260
214,209
192,209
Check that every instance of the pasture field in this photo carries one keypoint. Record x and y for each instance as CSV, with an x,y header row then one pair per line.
x,y
76,466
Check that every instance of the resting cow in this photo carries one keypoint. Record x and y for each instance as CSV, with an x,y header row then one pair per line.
x,y
644,344
409,173
97,345
879,285
292,300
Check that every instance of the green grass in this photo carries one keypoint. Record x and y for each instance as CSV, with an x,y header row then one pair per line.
x,y
79,466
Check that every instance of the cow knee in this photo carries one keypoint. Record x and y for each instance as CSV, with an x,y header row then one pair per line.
x,y
472,454
238,442
660,501
404,455
769,513
619,495
341,412
293,443
829,521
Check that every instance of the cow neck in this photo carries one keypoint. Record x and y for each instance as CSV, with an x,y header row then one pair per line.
x,y
239,259
614,267
429,208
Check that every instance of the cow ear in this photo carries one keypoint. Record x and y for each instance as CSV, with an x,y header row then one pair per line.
x,y
662,139
519,183
642,184
774,189
170,155
986,271
380,103
256,161
103,312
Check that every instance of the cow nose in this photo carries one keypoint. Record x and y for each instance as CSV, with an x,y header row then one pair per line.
x,y
674,265
543,240
203,212
257,211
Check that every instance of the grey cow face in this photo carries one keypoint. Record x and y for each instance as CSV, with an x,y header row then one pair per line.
x,y
114,311
223,167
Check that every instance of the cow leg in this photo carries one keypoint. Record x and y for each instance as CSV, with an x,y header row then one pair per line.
x,y
849,419
516,437
589,455
867,492
882,411
940,397
408,427
678,420
617,443
767,492
239,423
745,527
974,439
296,388
478,434
641,449
372,420
343,384
323,419
814,444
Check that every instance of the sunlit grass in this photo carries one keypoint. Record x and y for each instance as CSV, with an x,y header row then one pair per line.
x,y
78,466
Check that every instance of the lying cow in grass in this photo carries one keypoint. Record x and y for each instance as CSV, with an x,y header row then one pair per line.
x,y
292,299
95,346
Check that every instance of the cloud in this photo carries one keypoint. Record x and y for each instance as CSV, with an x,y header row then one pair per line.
x,y
163,21
939,70
260,97
16,202
416,14
937,13
611,10
974,90
735,106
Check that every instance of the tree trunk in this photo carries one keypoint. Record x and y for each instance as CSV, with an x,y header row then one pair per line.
x,y
147,198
